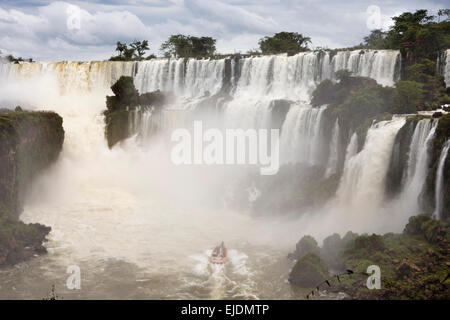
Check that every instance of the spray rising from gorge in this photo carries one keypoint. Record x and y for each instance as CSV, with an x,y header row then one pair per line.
x,y
107,204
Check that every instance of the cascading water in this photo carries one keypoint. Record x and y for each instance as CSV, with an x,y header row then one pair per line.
x,y
446,68
362,181
334,151
408,201
300,139
110,208
381,65
418,157
439,181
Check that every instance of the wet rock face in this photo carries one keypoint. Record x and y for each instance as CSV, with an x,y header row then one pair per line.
x,y
308,271
125,100
442,134
29,142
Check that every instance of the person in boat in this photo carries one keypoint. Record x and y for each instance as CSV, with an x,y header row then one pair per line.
x,y
219,251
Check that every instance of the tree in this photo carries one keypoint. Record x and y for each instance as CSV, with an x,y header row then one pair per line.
x,y
444,13
408,96
139,48
182,46
284,42
120,48
135,52
376,39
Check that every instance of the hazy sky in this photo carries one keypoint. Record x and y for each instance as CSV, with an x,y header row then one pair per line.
x,y
88,30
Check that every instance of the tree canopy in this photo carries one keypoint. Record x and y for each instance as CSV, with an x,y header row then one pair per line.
x,y
135,51
417,35
284,42
181,46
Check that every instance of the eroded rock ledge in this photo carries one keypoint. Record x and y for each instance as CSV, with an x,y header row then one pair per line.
x,y
29,142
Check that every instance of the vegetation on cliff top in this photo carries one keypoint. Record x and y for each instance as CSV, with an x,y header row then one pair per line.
x,y
284,42
29,142
417,35
414,264
135,52
126,98
181,46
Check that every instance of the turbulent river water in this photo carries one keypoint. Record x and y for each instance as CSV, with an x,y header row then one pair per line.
x,y
140,227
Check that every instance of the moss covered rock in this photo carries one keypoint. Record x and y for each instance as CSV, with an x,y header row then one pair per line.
x,y
308,271
307,244
29,142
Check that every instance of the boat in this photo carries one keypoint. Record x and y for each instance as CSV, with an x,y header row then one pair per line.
x,y
219,254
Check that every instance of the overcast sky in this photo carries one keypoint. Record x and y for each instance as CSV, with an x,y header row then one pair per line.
x,y
88,30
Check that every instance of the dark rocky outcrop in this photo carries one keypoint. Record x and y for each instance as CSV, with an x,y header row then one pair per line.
x,y
29,142
307,244
414,264
308,271
125,100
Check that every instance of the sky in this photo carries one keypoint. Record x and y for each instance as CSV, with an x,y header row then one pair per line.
x,y
88,30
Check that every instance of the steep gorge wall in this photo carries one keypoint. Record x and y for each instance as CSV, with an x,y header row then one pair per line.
x,y
29,142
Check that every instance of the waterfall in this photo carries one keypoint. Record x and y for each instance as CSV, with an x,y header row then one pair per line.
x,y
417,163
301,137
407,203
447,68
439,181
418,155
381,65
362,181
333,156
69,76
195,79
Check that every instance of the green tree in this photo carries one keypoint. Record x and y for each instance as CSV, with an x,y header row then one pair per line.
x,y
134,52
139,47
376,39
444,13
181,46
120,48
284,42
408,96
434,89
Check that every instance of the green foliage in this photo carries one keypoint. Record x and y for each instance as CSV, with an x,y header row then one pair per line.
x,y
376,39
418,35
369,244
424,226
307,244
181,46
408,96
324,93
135,52
284,42
434,91
308,271
29,142
413,264
365,103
